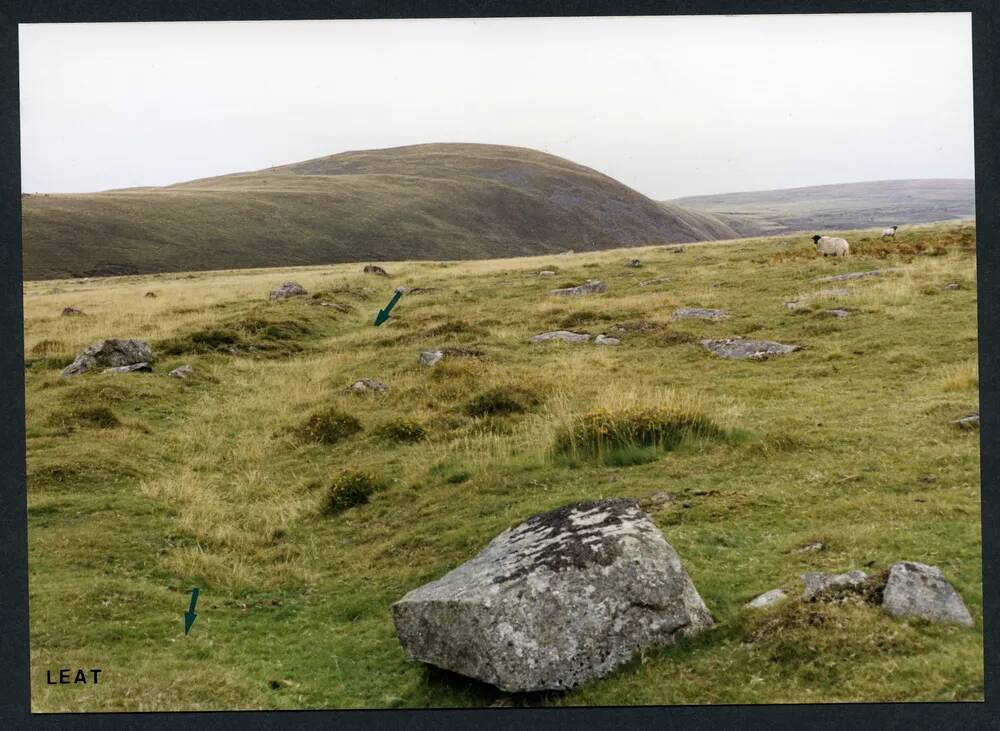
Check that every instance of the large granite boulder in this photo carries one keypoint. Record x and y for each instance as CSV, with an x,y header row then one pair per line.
x,y
814,582
918,590
112,353
563,598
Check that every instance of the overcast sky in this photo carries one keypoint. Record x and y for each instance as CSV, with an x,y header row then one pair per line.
x,y
670,106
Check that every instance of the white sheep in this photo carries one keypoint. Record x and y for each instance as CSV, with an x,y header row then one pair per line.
x,y
889,232
831,246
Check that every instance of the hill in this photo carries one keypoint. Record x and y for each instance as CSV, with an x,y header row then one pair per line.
x,y
852,205
436,201
839,456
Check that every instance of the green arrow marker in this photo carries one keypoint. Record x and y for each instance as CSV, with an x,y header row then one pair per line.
x,y
189,615
383,314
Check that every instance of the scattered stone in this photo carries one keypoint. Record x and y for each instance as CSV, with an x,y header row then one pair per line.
x,y
146,367
606,340
927,479
592,286
661,498
287,289
968,422
110,354
375,269
675,249
918,590
561,599
181,371
636,326
741,349
838,312
860,275
815,582
366,385
953,285
565,253
546,273
71,311
699,313
810,548
430,357
658,280
150,294
566,335
634,263
767,599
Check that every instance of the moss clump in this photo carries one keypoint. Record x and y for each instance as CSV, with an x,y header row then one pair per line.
x,y
349,489
402,431
601,432
500,401
329,427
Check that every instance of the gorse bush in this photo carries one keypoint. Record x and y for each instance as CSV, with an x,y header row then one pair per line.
x,y
329,427
402,430
601,432
500,401
349,489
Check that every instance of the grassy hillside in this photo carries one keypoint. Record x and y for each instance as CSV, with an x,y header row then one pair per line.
x,y
853,205
142,486
442,201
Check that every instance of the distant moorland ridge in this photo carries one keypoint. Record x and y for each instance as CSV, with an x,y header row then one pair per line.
x,y
837,207
435,201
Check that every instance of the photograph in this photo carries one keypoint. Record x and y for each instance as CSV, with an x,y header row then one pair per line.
x,y
507,362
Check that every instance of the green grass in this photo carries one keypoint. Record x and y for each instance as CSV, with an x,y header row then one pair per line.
x,y
209,482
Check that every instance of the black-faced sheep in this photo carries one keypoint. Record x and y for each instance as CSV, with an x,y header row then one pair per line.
x,y
889,233
831,246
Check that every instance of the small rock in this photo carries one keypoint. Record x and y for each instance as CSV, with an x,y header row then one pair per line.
x,y
563,598
968,422
430,357
767,599
634,263
741,349
953,285
860,275
836,312
287,289
375,269
366,385
71,311
660,498
815,582
699,313
927,479
605,340
592,286
658,280
565,253
918,590
150,294
566,335
810,548
675,249
129,368
181,371
111,353
546,273
422,290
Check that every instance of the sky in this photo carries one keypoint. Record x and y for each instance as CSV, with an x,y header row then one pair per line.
x,y
670,106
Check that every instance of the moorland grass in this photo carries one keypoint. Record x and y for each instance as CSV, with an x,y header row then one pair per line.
x,y
208,482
